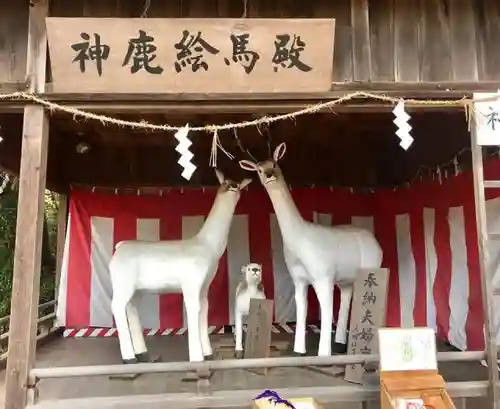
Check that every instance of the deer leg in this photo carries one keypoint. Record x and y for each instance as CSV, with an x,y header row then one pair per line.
x,y
119,309
205,338
345,304
324,292
238,329
193,308
136,332
301,308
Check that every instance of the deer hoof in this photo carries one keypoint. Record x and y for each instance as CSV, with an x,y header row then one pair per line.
x,y
339,349
143,357
130,361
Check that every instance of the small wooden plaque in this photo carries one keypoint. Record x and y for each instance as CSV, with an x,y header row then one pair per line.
x,y
258,335
427,386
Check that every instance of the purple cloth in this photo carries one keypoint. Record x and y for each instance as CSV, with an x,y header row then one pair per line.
x,y
274,397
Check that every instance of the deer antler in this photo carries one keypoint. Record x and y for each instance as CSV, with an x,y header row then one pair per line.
x,y
241,147
269,141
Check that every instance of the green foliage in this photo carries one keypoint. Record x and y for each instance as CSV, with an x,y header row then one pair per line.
x,y
8,213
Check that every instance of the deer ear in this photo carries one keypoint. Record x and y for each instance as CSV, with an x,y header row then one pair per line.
x,y
245,183
248,165
279,152
220,176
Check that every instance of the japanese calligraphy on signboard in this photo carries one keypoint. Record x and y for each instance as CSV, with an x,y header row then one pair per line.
x,y
487,117
367,316
104,55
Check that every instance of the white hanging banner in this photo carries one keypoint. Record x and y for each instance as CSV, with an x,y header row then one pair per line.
x,y
487,117
407,349
401,119
186,155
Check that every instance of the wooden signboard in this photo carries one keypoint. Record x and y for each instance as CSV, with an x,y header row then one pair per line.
x,y
152,55
258,335
414,390
368,312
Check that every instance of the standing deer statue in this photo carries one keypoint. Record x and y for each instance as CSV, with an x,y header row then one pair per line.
x,y
249,287
318,255
173,266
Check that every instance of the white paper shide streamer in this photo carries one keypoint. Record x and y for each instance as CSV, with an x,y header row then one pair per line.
x,y
186,156
401,120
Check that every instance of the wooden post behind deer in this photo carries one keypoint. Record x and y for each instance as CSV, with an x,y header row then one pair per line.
x,y
318,255
172,266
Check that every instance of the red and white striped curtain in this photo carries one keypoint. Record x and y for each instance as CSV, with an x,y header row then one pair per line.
x,y
427,232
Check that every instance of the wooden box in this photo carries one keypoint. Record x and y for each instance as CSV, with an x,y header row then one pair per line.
x,y
426,385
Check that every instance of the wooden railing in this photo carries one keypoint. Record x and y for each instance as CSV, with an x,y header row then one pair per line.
x,y
45,324
205,397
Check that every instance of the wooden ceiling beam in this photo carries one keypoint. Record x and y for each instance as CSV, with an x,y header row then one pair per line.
x,y
259,102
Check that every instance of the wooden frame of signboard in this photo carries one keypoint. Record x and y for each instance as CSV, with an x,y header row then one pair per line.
x,y
158,55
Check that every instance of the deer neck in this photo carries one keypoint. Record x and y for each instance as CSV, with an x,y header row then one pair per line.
x,y
289,217
215,230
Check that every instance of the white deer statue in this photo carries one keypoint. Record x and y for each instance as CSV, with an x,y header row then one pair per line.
x,y
318,255
249,287
172,266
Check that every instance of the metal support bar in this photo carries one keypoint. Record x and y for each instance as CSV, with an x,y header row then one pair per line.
x,y
163,367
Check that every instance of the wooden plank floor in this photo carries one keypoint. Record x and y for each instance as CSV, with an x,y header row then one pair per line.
x,y
74,351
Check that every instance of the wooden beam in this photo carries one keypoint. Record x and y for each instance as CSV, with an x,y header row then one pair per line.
x,y
258,108
9,87
255,102
361,50
337,90
27,258
485,269
62,217
327,395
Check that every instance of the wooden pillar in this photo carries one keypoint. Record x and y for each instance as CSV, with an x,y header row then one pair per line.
x,y
62,217
485,268
27,258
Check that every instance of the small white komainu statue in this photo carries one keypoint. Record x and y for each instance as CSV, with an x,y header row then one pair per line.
x,y
249,287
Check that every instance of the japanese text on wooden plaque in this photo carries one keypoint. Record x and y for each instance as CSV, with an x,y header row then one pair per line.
x,y
105,55
367,316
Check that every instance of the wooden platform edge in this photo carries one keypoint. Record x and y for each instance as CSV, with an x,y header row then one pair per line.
x,y
237,398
